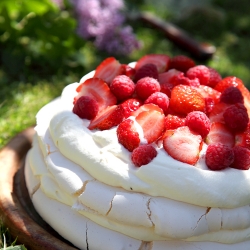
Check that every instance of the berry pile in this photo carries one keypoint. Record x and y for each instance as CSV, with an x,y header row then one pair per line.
x,y
170,103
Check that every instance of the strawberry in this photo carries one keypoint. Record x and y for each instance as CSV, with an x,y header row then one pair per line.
x,y
216,115
152,123
161,62
181,62
108,69
143,155
99,90
243,138
185,99
208,92
107,118
147,107
219,133
169,76
128,71
235,82
174,121
130,105
127,134
183,145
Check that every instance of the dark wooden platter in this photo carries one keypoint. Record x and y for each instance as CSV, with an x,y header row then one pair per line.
x,y
16,208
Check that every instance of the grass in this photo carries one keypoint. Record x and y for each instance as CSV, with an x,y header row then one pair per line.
x,y
224,24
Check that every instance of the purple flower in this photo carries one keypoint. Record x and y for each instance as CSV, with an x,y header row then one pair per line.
x,y
103,21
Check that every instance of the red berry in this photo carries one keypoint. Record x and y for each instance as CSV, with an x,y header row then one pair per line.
x,y
160,99
198,122
107,118
128,71
241,158
236,117
130,106
86,107
143,155
166,88
169,76
214,78
216,115
181,79
149,70
201,72
219,156
174,121
127,135
146,86
243,138
231,95
181,62
122,87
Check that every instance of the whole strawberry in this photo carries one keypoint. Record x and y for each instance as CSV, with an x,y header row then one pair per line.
x,y
143,155
219,156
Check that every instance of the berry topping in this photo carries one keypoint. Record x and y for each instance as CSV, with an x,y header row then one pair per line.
x,y
231,95
107,118
243,138
128,71
219,133
99,90
219,156
174,121
181,62
86,107
169,76
143,155
201,72
149,70
208,92
198,122
241,158
127,135
152,123
216,115
160,99
236,117
146,86
108,69
161,61
130,105
214,78
185,99
122,87
182,145
166,88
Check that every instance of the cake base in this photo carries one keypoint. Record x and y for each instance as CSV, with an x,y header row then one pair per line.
x,y
16,209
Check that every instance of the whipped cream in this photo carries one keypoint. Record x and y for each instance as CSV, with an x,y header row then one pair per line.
x,y
165,204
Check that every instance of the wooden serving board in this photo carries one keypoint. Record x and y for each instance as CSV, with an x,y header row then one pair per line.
x,y
16,208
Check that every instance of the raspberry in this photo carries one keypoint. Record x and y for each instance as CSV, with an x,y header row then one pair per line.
x,y
146,86
143,155
160,99
127,135
201,72
166,88
214,78
236,117
241,158
148,69
231,95
219,156
181,79
122,87
198,122
86,107
181,62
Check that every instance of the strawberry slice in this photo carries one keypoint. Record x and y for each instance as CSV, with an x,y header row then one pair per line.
x,y
208,92
152,123
219,133
183,145
243,139
99,90
107,118
147,107
108,69
216,115
159,60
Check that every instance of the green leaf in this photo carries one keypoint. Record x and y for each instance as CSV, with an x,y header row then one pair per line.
x,y
20,247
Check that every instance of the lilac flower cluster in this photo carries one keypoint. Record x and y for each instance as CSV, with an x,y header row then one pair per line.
x,y
104,22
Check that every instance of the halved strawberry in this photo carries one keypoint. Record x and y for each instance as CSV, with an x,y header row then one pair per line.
x,y
216,115
99,90
183,145
147,107
208,92
160,60
174,121
185,99
130,105
128,71
107,118
169,76
127,134
152,123
243,139
219,133
108,69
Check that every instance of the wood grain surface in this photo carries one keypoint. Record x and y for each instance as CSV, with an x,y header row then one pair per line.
x,y
16,208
